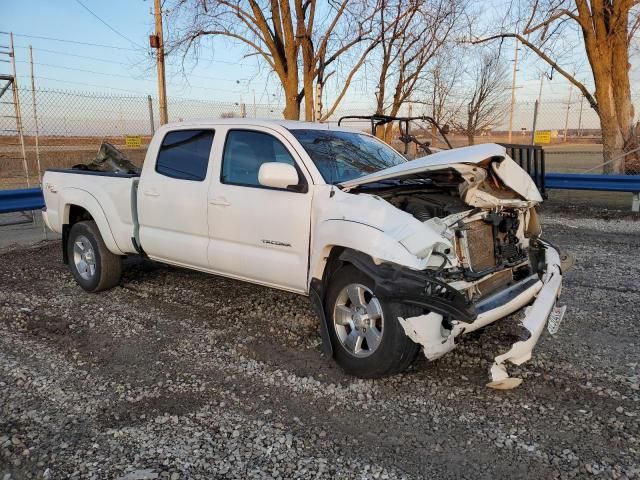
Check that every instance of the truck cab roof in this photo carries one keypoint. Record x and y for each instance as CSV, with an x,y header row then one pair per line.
x,y
257,122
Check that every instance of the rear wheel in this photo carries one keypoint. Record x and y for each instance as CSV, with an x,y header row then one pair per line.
x,y
91,263
366,335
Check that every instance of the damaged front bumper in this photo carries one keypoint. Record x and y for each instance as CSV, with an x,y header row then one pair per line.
x,y
536,317
437,335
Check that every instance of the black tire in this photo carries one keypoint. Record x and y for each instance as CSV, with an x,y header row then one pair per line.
x,y
108,267
395,351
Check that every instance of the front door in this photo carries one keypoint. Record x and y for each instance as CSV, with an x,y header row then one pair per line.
x,y
259,233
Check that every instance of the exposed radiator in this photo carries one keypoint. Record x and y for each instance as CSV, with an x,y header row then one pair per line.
x,y
480,245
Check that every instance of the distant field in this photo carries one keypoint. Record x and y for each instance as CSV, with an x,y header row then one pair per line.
x,y
55,152
64,152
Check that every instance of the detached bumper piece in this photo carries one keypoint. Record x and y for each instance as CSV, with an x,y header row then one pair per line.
x,y
536,316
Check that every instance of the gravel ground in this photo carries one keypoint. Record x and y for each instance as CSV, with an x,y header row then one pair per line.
x,y
176,374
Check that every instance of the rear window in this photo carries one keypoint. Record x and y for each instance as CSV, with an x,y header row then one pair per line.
x,y
184,154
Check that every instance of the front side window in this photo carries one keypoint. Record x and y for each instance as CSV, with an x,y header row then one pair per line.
x,y
184,154
245,151
343,156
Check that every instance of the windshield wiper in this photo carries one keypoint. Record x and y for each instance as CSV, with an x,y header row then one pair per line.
x,y
394,182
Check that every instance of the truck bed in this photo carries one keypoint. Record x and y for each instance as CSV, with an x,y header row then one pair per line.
x,y
78,171
109,198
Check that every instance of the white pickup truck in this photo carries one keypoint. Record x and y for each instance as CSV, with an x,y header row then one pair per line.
x,y
395,254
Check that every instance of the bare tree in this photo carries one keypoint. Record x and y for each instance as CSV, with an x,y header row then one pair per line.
x,y
607,28
413,32
290,36
442,98
344,53
485,99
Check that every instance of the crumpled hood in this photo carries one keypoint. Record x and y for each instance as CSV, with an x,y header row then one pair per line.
x,y
511,174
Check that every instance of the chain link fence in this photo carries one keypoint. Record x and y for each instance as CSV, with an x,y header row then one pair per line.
x,y
72,125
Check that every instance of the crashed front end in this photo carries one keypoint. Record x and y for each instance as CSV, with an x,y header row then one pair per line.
x,y
533,282
489,261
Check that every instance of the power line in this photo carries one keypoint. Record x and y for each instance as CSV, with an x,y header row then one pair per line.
x,y
215,89
88,84
173,98
129,77
82,70
102,45
77,56
115,62
228,62
109,26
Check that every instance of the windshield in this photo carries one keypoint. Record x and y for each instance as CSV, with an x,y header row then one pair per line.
x,y
343,156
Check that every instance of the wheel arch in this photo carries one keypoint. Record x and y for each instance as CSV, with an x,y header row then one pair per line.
x,y
331,239
79,205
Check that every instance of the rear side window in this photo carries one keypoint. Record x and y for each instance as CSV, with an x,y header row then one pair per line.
x,y
184,154
245,151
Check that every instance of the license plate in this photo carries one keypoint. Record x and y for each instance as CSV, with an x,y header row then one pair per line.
x,y
555,319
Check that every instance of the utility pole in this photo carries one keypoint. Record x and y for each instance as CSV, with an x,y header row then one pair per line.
x,y
255,111
513,90
566,118
18,110
157,42
540,92
317,111
536,106
580,117
35,115
150,102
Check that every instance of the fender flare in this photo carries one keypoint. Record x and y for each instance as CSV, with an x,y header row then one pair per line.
x,y
355,236
75,196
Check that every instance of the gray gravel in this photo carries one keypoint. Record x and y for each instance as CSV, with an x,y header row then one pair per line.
x,y
177,375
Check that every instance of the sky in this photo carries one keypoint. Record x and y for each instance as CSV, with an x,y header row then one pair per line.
x,y
94,58
113,63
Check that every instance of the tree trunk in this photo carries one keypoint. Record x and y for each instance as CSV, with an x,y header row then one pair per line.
x,y
388,130
607,47
616,122
471,130
292,104
309,107
471,138
611,148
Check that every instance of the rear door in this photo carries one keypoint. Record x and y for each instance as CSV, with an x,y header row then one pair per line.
x,y
172,199
259,233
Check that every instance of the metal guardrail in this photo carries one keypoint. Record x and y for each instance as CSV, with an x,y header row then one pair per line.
x,y
32,198
21,200
605,183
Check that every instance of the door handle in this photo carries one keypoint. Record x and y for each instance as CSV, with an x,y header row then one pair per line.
x,y
220,201
151,193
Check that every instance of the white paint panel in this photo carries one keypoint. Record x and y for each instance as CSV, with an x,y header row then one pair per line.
x,y
259,233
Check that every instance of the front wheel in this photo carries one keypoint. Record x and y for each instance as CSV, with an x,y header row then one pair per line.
x,y
367,337
91,263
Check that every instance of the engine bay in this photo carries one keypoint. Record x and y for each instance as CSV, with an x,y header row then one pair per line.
x,y
491,245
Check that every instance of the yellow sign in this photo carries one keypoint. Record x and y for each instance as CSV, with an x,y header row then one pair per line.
x,y
542,136
133,141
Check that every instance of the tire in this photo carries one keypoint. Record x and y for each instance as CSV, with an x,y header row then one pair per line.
x,y
392,353
92,265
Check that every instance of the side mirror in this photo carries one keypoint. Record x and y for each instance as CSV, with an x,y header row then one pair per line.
x,y
277,175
